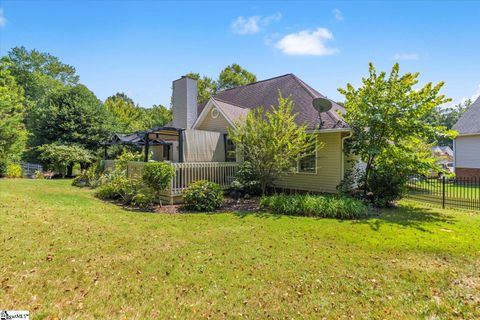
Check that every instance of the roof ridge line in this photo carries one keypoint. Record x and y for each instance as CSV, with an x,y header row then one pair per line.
x,y
305,86
245,85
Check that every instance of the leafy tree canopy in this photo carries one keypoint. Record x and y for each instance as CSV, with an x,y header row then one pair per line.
x,y
12,130
206,86
129,117
38,72
272,141
59,157
387,117
156,116
233,76
447,117
72,114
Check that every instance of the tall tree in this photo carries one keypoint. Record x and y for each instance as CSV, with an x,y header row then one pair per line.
x,y
387,117
447,117
156,116
233,76
38,72
206,86
70,115
272,141
128,117
12,129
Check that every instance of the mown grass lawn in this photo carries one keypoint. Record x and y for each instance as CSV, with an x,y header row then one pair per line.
x,y
65,254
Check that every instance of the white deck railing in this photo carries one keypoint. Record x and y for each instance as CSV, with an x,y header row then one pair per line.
x,y
222,173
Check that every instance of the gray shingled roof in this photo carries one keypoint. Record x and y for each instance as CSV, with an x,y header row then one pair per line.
x,y
265,93
469,123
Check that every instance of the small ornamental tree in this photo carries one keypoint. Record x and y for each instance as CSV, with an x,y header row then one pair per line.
x,y
387,115
271,141
157,175
60,157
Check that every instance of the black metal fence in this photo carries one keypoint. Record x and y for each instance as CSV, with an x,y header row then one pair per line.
x,y
446,192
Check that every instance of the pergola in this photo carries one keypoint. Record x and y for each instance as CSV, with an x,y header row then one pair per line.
x,y
152,137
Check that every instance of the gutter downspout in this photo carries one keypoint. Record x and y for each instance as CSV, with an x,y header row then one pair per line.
x,y
342,166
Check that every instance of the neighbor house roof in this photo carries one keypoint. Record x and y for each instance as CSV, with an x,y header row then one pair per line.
x,y
443,150
265,93
469,123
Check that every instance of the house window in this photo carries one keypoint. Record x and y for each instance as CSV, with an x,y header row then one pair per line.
x,y
230,151
308,163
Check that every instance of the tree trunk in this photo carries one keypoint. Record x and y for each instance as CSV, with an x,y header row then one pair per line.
x,y
263,185
70,170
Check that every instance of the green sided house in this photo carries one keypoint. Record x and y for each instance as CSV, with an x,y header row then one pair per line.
x,y
197,143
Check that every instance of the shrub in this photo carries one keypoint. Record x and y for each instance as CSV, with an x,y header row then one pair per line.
x,y
88,178
203,195
126,156
157,175
316,206
385,187
80,181
112,186
143,199
246,181
14,170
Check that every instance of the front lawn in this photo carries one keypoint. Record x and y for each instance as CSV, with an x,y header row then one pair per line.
x,y
66,254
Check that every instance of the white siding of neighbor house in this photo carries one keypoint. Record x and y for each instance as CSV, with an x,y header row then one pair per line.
x,y
467,151
328,175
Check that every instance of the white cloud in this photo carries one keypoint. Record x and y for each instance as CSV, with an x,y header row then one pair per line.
x,y
307,43
406,56
253,24
3,20
474,97
338,14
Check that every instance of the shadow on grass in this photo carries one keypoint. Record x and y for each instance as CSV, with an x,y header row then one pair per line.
x,y
407,216
260,214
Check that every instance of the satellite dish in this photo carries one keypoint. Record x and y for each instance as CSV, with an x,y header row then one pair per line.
x,y
321,104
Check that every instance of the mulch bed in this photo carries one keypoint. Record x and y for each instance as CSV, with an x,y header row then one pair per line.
x,y
230,205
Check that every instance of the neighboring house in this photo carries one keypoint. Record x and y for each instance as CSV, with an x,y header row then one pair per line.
x,y
467,144
445,153
444,156
198,133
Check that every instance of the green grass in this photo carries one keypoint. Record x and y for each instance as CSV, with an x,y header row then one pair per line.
x,y
66,254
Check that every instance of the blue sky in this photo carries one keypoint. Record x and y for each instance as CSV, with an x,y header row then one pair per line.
x,y
139,47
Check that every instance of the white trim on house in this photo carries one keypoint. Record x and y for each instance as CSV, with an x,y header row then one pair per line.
x,y
330,130
297,169
468,134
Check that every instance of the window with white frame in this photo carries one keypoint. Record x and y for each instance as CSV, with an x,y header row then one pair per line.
x,y
308,162
230,151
